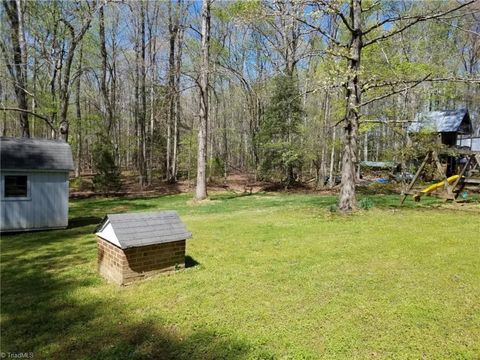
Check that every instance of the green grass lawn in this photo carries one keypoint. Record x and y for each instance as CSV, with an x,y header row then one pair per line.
x,y
278,276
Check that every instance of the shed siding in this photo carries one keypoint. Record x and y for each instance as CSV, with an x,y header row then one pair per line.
x,y
46,207
472,143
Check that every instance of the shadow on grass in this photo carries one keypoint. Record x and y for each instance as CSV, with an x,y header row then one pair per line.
x,y
231,195
190,262
83,221
378,189
99,208
55,306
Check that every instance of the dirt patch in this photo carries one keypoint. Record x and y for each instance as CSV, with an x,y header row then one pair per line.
x,y
131,187
464,206
237,182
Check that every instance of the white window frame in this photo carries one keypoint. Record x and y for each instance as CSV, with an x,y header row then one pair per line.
x,y
17,198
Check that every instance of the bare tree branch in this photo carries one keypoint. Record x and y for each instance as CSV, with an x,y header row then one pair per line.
x,y
44,118
368,86
7,60
321,31
374,4
458,27
415,20
328,4
386,121
394,92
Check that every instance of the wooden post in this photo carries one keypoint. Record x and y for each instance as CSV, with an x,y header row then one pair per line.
x,y
414,180
470,159
462,172
441,172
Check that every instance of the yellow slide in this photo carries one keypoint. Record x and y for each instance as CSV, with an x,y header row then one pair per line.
x,y
434,187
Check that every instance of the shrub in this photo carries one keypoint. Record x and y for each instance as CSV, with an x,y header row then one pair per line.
x,y
366,203
333,208
107,173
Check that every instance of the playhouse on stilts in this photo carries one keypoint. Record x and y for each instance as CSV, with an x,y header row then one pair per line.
x,y
458,167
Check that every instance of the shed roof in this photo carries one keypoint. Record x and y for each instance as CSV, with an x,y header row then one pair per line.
x,y
378,164
34,154
442,121
141,229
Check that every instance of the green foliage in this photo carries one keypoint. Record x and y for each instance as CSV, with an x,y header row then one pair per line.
x,y
421,144
365,203
107,173
280,132
187,156
333,208
215,167
238,10
80,184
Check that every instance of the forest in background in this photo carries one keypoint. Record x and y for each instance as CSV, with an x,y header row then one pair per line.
x,y
288,91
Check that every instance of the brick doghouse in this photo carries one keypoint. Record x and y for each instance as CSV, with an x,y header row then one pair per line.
x,y
133,246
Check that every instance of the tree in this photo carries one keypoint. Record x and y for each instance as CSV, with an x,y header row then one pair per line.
x,y
76,37
78,110
107,103
280,131
17,67
360,36
140,93
201,188
175,30
266,63
107,174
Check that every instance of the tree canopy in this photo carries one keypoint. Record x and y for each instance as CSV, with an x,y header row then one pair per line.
x,y
288,90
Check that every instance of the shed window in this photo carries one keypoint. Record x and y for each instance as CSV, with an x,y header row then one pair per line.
x,y
16,186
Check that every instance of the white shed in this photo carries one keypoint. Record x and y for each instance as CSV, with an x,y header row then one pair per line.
x,y
34,184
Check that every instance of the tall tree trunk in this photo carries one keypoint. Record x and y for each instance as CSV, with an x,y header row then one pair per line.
x,y
331,174
176,134
152,54
65,82
143,97
17,70
107,110
56,68
136,107
65,97
173,30
78,134
201,189
140,96
224,139
34,88
290,35
324,128
365,147
347,200
117,127
4,129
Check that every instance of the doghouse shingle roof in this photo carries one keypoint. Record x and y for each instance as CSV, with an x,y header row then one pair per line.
x,y
141,229
442,121
34,154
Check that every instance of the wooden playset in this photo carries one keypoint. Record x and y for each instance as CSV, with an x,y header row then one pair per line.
x,y
459,168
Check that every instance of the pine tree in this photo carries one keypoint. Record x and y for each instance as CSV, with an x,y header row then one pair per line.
x,y
280,131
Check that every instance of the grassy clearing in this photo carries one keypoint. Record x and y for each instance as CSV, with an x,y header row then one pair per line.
x,y
278,276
